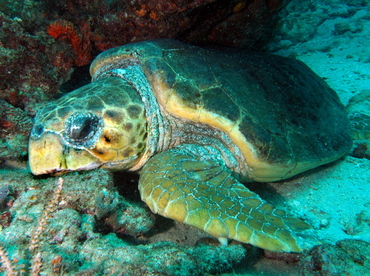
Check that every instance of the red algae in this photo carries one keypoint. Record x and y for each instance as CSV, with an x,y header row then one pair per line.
x,y
80,41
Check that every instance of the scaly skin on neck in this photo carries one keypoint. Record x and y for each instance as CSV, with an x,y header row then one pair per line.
x,y
166,131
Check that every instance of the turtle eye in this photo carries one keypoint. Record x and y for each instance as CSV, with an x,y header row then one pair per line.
x,y
82,130
37,130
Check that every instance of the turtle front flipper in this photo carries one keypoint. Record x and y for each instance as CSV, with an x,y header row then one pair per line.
x,y
200,191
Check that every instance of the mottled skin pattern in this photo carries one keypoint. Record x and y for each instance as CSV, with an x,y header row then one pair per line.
x,y
122,138
197,122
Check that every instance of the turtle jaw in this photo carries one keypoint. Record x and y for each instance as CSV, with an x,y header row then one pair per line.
x,y
48,155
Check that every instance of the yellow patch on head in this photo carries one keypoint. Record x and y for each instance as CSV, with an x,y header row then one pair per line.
x,y
120,139
113,117
113,138
104,153
47,155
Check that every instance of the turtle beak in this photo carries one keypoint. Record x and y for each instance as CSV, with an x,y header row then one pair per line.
x,y
48,155
45,154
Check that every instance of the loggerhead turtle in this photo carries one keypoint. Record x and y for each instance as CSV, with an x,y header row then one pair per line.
x,y
197,123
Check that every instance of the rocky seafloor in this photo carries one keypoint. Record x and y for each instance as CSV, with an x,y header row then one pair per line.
x,y
95,224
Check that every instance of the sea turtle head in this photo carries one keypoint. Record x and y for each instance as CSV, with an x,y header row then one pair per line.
x,y
101,124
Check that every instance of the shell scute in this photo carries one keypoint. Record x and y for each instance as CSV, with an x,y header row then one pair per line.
x,y
224,105
282,116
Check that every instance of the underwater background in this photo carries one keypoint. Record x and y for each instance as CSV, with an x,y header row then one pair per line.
x,y
94,223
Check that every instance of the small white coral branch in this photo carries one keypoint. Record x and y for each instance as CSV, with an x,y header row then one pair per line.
x,y
50,208
36,265
36,238
7,264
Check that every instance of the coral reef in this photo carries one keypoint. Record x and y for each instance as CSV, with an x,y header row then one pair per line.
x,y
93,229
66,235
15,127
361,149
80,41
28,76
358,109
115,23
164,258
305,20
347,257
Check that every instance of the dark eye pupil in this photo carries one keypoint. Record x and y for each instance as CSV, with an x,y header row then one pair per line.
x,y
38,130
83,130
